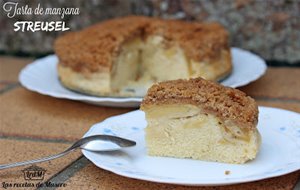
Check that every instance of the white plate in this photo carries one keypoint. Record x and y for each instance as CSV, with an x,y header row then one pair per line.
x,y
41,76
279,154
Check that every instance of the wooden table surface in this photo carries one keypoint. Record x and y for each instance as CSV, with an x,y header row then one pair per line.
x,y
34,125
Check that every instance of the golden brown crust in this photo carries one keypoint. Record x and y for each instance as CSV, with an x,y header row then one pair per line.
x,y
95,47
227,103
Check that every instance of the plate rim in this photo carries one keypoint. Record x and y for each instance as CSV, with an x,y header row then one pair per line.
x,y
229,181
257,75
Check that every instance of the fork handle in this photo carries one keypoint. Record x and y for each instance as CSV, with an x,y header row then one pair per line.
x,y
16,164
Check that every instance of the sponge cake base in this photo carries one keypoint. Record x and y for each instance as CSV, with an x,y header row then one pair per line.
x,y
185,131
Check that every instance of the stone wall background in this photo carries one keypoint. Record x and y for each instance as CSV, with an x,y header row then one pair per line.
x,y
270,28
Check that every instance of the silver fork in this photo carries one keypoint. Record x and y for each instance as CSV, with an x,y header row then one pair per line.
x,y
121,142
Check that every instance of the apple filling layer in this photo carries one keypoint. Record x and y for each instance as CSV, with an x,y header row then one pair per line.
x,y
144,62
186,131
